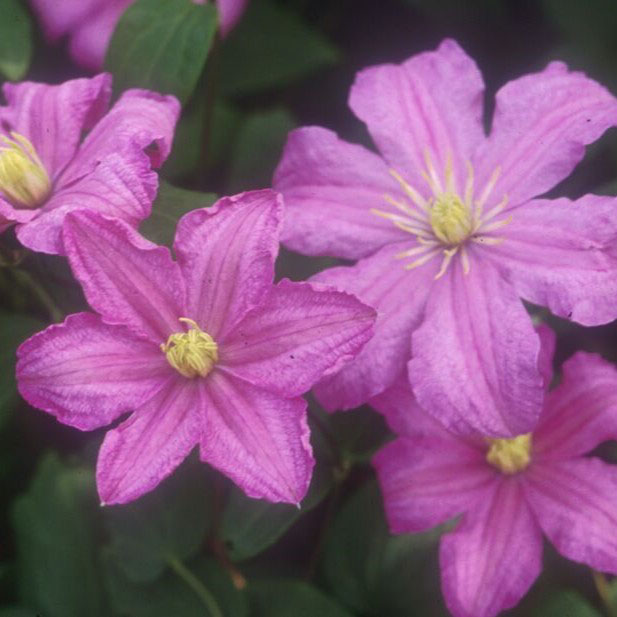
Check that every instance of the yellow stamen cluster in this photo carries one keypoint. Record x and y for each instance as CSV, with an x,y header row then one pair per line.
x,y
193,353
23,178
510,455
450,219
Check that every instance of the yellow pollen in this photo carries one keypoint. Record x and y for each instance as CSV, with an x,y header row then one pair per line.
x,y
193,353
450,219
23,178
510,455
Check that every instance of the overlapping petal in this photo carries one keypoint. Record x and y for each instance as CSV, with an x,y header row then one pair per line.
x,y
300,333
57,19
492,558
230,12
258,439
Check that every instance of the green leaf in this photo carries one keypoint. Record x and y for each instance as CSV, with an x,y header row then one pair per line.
x,y
17,611
15,39
271,47
54,527
170,205
567,603
170,522
282,598
258,149
162,45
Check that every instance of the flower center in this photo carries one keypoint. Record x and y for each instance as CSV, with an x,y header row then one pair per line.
x,y
450,219
510,455
23,178
193,353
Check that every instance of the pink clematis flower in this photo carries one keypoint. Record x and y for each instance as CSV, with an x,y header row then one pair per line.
x,y
46,170
90,24
204,350
450,235
509,491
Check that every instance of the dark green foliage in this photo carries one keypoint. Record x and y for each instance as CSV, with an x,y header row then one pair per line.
x,y
15,39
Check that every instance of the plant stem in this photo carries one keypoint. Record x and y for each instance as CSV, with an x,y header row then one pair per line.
x,y
604,591
42,295
197,586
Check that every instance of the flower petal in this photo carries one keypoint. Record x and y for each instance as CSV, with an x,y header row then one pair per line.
x,y
548,342
53,118
127,279
258,439
432,102
227,255
541,126
87,373
58,18
561,254
330,187
399,296
299,334
230,12
147,447
575,503
494,555
581,412
475,356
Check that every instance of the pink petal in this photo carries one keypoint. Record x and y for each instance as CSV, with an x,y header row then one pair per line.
x,y
548,341
58,18
432,102
300,333
329,188
399,297
541,125
230,12
493,557
581,412
258,439
475,356
53,118
121,186
87,373
147,447
561,254
127,279
10,215
575,503
227,255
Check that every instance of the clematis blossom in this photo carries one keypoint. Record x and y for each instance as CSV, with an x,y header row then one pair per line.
x,y
89,24
203,351
47,170
508,492
450,234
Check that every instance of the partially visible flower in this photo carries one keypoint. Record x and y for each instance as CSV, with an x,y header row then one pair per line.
x,y
508,491
46,170
89,24
204,350
450,234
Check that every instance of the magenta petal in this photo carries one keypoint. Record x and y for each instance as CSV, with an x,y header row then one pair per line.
x,y
432,102
87,373
53,118
561,254
541,125
329,188
147,447
258,439
494,555
127,279
548,341
300,333
575,503
230,12
475,356
581,412
227,255
58,18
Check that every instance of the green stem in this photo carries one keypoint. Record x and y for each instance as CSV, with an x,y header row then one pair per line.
x,y
197,586
604,591
42,295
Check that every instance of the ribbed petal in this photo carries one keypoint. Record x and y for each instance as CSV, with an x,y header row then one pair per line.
x,y
330,187
430,103
54,118
258,439
548,341
561,254
581,412
87,373
493,557
10,215
575,503
398,296
127,279
300,333
475,356
541,125
230,12
147,447
227,255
